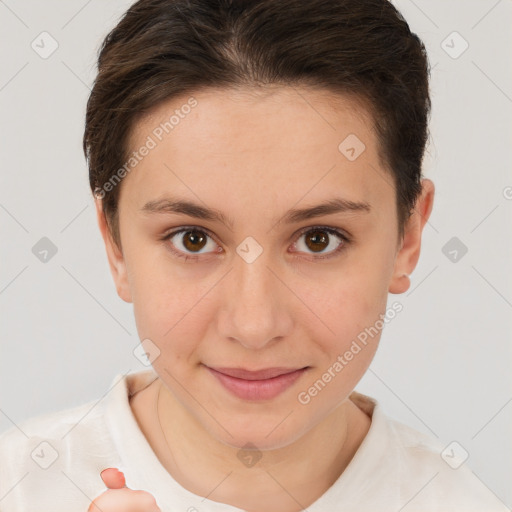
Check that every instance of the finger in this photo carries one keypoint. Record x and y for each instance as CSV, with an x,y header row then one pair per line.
x,y
113,500
124,500
113,478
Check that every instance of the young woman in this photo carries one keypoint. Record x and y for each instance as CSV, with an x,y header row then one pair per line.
x,y
256,167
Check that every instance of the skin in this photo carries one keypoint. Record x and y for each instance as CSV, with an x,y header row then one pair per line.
x,y
253,155
121,499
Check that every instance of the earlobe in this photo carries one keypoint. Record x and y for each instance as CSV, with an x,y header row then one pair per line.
x,y
115,256
400,284
409,253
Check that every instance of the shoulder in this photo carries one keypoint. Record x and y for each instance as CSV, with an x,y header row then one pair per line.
x,y
408,469
59,427
53,454
46,440
439,475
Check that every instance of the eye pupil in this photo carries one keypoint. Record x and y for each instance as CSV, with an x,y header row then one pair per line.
x,y
191,238
319,240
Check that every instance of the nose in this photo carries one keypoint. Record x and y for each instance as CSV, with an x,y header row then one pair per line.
x,y
255,304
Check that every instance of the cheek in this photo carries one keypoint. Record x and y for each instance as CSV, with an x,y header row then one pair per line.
x,y
168,310
351,306
331,385
349,301
356,323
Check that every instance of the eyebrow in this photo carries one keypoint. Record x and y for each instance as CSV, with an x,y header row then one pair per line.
x,y
332,206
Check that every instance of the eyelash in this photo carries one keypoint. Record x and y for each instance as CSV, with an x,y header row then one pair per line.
x,y
345,240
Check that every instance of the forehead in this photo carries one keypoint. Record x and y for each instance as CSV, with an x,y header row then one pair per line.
x,y
244,112
257,141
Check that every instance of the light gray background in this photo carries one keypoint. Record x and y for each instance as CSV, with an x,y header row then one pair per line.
x,y
443,365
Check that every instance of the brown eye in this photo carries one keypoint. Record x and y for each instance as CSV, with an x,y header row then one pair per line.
x,y
189,243
317,240
194,240
325,242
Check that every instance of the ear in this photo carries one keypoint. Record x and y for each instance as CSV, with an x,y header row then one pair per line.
x,y
114,255
409,253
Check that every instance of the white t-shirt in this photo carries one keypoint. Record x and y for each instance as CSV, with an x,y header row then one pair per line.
x,y
52,463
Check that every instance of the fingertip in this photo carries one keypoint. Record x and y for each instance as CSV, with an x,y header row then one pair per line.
x,y
121,479
113,478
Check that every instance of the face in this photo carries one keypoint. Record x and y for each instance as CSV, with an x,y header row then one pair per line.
x,y
253,237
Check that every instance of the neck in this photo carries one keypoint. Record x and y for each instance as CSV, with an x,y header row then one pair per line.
x,y
207,467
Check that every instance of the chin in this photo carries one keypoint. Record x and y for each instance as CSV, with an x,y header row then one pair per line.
x,y
259,434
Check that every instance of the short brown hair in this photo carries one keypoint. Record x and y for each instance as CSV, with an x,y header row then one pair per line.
x,y
164,48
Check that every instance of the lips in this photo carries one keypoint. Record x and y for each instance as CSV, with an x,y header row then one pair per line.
x,y
266,373
256,385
